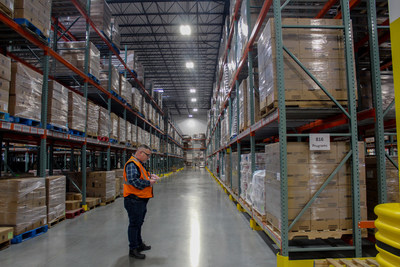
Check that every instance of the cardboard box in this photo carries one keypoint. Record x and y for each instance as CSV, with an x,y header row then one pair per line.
x,y
325,218
5,68
6,233
328,198
297,152
298,197
298,175
345,196
72,204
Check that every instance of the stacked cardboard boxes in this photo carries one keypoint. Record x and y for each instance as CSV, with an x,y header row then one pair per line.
x,y
125,89
129,132
76,111
23,204
119,176
122,129
136,99
55,197
57,105
114,126
101,184
392,184
37,12
74,53
104,123
6,233
104,78
307,170
318,49
8,7
93,119
25,92
5,78
134,138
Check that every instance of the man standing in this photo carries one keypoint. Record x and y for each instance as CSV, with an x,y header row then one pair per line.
x,y
137,192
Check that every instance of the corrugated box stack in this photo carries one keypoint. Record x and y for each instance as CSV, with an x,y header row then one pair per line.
x,y
37,12
139,136
318,49
122,129
23,204
119,176
134,134
5,78
235,174
136,99
93,119
307,171
245,175
129,132
73,200
125,89
76,111
8,7
6,233
57,105
392,184
104,123
114,126
55,197
74,53
25,92
101,184
104,78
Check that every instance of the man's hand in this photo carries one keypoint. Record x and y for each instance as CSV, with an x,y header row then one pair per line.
x,y
155,177
152,181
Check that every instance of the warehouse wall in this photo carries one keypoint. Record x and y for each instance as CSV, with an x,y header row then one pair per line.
x,y
190,126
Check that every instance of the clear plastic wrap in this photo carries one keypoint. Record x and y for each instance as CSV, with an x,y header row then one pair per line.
x,y
140,137
55,197
101,184
76,111
23,203
36,12
234,119
5,68
93,119
8,4
104,122
57,105
129,132
25,92
74,53
114,126
115,81
134,134
121,129
125,90
245,175
257,193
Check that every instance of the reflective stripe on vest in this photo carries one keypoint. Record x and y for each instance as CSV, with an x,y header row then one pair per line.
x,y
129,189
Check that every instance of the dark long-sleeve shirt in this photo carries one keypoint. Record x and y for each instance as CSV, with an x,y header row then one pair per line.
x,y
133,177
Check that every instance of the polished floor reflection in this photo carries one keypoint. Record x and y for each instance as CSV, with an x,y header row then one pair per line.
x,y
190,223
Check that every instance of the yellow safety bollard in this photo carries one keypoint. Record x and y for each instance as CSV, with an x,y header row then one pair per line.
x,y
388,235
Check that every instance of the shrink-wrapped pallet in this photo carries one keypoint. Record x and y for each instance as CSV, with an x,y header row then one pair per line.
x,y
101,184
8,7
37,12
5,68
93,119
25,92
104,78
5,78
125,89
139,135
104,123
55,197
114,126
57,105
76,111
23,204
134,134
129,132
122,129
74,53
136,99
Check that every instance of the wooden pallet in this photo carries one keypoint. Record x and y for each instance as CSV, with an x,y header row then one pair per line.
x,y
323,234
108,201
29,234
5,244
56,221
70,214
346,263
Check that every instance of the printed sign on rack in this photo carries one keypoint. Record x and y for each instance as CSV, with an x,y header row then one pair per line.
x,y
320,142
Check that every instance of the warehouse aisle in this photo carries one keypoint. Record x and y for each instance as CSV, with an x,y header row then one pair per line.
x,y
190,223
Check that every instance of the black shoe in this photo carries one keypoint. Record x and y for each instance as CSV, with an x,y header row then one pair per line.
x,y
136,254
143,247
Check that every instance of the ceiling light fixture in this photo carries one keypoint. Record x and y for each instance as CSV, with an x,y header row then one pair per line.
x,y
190,116
185,30
193,90
189,65
194,99
195,110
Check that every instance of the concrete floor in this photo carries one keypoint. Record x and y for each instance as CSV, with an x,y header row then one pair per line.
x,y
190,223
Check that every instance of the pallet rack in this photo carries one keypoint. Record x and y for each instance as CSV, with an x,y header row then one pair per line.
x,y
27,49
293,123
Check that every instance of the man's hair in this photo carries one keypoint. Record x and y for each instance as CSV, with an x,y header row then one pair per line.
x,y
144,147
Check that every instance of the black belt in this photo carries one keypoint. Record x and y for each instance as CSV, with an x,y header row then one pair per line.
x,y
136,197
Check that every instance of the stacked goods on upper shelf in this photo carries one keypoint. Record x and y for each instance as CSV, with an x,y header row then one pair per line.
x,y
392,184
114,126
25,92
300,89
101,15
307,170
121,130
74,53
37,12
140,71
57,105
134,131
125,89
129,132
234,120
104,78
55,197
136,99
115,33
76,111
144,108
8,7
93,119
104,123
235,173
246,173
101,184
5,78
226,176
23,203
387,88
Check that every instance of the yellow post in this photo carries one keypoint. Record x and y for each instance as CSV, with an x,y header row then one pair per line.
x,y
394,15
85,207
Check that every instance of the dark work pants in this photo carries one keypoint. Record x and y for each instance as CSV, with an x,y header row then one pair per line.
x,y
136,209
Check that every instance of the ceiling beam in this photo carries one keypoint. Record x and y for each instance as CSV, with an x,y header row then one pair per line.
x,y
165,25
167,34
167,13
152,1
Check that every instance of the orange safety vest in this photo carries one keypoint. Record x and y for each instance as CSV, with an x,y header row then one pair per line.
x,y
129,189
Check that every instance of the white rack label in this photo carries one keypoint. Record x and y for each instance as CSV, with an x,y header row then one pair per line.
x,y
320,142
